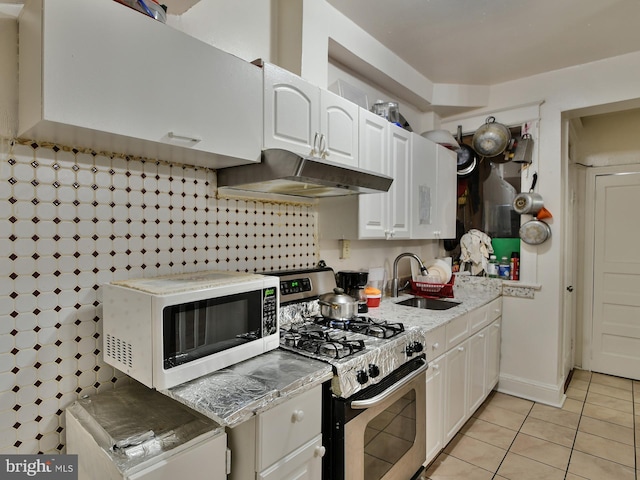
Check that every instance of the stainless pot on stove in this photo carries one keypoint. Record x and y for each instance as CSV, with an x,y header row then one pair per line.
x,y
337,305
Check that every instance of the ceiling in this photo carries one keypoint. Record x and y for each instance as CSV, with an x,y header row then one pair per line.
x,y
485,42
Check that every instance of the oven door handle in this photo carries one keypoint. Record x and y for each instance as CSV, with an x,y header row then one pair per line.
x,y
373,401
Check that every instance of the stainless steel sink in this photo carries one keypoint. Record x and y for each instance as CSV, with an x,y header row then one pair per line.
x,y
429,303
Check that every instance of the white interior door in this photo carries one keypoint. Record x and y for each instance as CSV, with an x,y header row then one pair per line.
x,y
616,276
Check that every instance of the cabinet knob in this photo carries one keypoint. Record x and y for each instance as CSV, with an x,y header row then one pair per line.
x,y
435,346
436,367
481,335
320,451
497,325
297,416
461,349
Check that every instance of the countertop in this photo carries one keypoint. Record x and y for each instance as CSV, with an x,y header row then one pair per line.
x,y
231,396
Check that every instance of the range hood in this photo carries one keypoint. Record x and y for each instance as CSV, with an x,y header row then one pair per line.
x,y
286,173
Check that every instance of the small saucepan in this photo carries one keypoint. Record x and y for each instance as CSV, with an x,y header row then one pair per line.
x,y
337,305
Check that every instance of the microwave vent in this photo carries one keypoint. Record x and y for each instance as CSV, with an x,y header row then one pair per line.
x,y
119,350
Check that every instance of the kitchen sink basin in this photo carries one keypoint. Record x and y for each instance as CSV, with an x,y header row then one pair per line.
x,y
428,303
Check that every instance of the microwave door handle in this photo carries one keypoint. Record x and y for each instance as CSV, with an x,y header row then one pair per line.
x,y
372,402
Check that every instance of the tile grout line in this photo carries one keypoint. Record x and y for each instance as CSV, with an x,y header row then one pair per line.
x,y
513,441
578,427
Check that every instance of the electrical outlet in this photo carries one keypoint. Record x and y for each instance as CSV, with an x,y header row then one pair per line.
x,y
346,249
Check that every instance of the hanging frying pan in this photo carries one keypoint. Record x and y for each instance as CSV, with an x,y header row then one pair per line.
x,y
467,158
535,232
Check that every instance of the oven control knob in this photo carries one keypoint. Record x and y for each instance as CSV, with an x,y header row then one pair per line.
x,y
362,377
413,347
374,370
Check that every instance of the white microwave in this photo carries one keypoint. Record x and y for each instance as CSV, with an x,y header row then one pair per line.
x,y
165,331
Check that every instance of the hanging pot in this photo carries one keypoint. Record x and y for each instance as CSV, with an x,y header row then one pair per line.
x,y
530,202
337,305
491,139
535,232
467,158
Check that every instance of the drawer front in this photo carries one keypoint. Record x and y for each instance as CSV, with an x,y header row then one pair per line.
x,y
494,309
286,427
435,343
457,330
477,319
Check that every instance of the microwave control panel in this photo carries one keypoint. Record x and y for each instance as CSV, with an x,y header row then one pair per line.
x,y
269,311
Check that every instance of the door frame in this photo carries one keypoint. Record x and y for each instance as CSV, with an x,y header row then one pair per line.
x,y
589,252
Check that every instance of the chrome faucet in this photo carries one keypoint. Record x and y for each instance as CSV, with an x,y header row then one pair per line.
x,y
394,280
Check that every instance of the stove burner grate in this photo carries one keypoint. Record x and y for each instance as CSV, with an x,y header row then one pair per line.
x,y
363,325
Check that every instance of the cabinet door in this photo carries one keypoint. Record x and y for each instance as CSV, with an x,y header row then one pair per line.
x,y
285,427
447,198
424,189
303,464
339,127
399,160
435,395
455,390
477,370
291,112
373,141
99,75
493,353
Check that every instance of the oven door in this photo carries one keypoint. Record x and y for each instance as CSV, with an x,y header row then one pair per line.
x,y
384,428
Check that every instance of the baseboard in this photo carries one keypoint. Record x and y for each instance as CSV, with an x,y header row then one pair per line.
x,y
538,392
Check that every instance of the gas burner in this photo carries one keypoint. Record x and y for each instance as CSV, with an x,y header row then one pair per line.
x,y
364,325
291,339
339,348
376,329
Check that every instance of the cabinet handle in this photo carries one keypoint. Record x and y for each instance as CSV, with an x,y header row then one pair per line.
x,y
323,146
497,325
314,149
436,346
461,349
320,451
481,335
297,416
184,137
436,367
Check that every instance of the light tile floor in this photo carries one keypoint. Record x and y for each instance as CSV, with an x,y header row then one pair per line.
x,y
592,436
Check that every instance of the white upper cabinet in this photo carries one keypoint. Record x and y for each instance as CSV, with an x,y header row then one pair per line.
x,y
384,148
302,118
433,190
100,75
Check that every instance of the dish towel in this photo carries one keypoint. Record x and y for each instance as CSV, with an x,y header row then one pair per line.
x,y
475,248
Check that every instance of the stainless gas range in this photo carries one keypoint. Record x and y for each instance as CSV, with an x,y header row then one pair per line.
x,y
374,408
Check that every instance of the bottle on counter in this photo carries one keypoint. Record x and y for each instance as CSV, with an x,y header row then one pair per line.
x,y
514,270
492,267
503,268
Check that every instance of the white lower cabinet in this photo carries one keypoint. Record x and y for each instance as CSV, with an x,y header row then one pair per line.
x,y
283,443
455,390
461,378
435,403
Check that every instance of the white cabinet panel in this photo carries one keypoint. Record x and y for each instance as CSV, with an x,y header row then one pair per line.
x,y
455,390
435,343
493,354
433,187
435,397
99,75
339,124
291,111
302,118
398,195
477,367
302,464
457,330
287,426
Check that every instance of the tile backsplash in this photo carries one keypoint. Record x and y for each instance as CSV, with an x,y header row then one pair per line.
x,y
71,221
